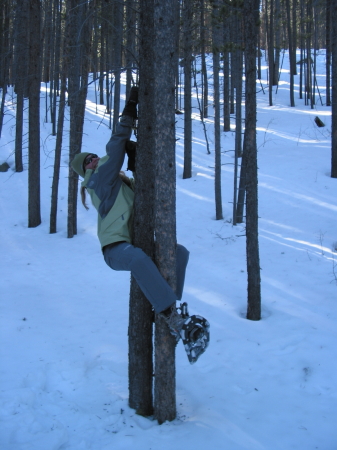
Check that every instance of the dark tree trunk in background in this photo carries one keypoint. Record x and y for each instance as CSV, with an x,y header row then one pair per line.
x,y
216,34
140,313
328,52
21,52
34,202
204,102
5,55
187,27
130,51
102,63
270,33
57,160
242,187
291,56
334,92
117,56
80,17
226,82
251,8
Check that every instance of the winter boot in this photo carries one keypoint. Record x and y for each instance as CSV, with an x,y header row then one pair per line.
x,y
193,330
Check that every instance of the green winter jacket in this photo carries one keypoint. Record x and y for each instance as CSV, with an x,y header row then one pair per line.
x,y
111,197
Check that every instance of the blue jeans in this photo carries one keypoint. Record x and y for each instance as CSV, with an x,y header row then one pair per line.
x,y
124,256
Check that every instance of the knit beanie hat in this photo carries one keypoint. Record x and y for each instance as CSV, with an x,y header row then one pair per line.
x,y
77,163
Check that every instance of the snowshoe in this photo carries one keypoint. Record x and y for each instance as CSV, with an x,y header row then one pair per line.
x,y
195,337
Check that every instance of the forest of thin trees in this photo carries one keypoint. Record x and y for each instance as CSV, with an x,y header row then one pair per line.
x,y
168,48
60,42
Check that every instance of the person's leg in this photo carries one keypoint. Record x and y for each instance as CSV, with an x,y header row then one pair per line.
x,y
182,260
124,256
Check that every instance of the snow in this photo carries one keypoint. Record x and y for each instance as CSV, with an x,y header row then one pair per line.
x,y
261,385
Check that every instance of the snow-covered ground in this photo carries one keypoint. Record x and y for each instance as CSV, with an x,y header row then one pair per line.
x,y
267,385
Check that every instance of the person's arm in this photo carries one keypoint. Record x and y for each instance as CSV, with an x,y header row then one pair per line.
x,y
116,146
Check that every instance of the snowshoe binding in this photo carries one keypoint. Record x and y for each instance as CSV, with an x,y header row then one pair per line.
x,y
194,334
193,330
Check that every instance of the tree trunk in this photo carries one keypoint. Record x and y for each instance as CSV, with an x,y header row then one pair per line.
x,y
242,186
270,35
21,47
187,23
226,81
204,94
328,52
253,260
217,135
34,202
291,56
165,201
334,92
140,313
57,160
80,17
118,34
130,52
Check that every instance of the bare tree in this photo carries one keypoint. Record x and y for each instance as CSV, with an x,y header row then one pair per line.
x,y
216,34
21,52
79,35
165,200
34,201
334,92
251,18
140,312
187,39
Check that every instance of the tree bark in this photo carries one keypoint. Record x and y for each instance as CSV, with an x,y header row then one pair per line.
x,y
117,57
57,160
334,93
140,312
217,135
21,50
328,52
80,17
34,201
251,8
165,200
291,56
187,24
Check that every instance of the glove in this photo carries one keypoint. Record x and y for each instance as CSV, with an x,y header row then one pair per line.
x,y
131,106
130,148
133,97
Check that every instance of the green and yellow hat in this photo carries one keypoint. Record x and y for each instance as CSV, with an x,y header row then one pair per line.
x,y
77,163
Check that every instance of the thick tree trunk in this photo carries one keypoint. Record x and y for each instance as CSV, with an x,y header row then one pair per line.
x,y
165,200
251,8
140,313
